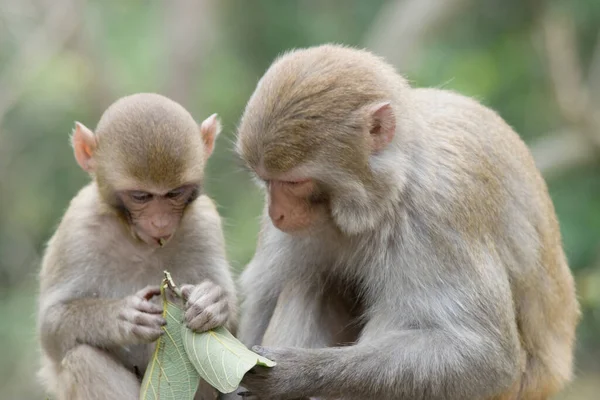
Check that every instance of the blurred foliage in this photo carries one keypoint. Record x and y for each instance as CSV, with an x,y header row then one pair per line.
x,y
489,51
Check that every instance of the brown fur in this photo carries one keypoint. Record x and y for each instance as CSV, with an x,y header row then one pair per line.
x,y
139,138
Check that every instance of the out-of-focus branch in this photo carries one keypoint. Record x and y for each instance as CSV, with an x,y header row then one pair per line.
x,y
561,151
12,15
190,30
594,72
402,26
566,75
103,87
39,48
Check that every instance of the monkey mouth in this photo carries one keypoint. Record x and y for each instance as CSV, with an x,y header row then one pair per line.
x,y
162,240
153,241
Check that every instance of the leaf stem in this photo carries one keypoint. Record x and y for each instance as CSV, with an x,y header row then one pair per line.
x,y
171,284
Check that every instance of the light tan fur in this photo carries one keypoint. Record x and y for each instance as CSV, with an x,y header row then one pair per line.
x,y
441,247
93,264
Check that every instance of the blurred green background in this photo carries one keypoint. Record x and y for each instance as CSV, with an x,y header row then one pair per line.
x,y
536,62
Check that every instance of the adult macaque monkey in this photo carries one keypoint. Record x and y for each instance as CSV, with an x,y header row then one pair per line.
x,y
409,250
144,212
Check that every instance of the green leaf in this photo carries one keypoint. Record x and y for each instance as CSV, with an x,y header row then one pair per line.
x,y
220,358
182,356
170,374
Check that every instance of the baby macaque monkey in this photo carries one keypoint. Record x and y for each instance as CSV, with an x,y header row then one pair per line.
x,y
143,212
409,248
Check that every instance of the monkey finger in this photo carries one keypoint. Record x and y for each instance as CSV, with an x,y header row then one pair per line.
x,y
150,320
209,308
186,290
263,351
148,292
205,289
147,334
205,299
148,307
196,321
197,307
209,318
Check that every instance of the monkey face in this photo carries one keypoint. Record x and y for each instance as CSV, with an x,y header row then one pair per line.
x,y
309,126
295,206
154,217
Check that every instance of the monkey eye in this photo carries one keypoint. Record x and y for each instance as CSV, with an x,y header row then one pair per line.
x,y
175,193
140,197
297,183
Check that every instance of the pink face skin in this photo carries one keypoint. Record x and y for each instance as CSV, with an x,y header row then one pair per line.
x,y
156,217
291,208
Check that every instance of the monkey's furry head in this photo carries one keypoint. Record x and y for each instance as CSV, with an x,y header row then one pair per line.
x,y
306,97
149,139
313,109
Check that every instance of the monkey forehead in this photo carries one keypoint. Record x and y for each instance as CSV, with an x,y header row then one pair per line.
x,y
152,180
309,99
150,138
147,118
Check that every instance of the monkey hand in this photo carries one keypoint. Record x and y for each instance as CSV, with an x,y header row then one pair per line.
x,y
139,320
206,307
283,381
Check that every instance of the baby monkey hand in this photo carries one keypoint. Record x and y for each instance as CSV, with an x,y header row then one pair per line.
x,y
140,321
206,306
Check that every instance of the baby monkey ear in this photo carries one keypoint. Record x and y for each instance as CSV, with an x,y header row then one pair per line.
x,y
210,129
84,145
382,126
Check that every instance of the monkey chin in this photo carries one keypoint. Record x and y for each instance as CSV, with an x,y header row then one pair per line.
x,y
317,227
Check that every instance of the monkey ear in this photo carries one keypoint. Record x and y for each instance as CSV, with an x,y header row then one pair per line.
x,y
382,125
210,129
84,145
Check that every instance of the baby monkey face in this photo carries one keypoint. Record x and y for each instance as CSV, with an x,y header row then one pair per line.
x,y
154,217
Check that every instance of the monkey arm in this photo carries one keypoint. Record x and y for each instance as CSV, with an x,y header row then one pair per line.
x,y
408,364
227,283
451,335
65,323
261,292
257,308
206,259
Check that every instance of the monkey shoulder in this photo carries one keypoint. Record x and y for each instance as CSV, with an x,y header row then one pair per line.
x,y
469,146
88,218
452,114
478,175
86,234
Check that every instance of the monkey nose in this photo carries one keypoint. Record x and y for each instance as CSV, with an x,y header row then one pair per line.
x,y
277,217
159,224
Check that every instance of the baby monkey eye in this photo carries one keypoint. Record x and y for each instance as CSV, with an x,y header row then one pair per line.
x,y
296,183
175,193
140,197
